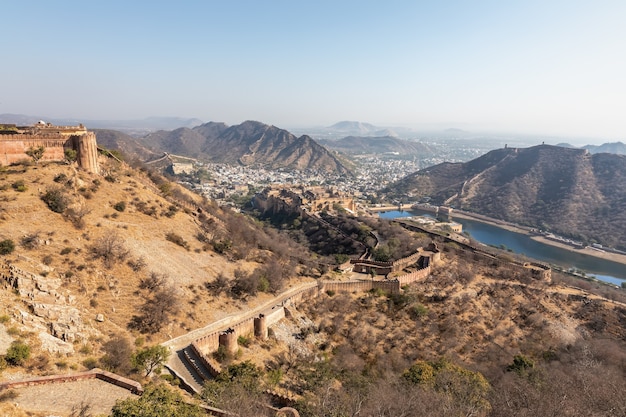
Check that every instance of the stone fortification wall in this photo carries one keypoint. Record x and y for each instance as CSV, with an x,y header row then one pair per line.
x,y
413,276
207,344
133,386
213,367
245,327
366,267
411,259
431,255
372,263
13,148
87,151
391,286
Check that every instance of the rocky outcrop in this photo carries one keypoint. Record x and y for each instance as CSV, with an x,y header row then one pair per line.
x,y
51,312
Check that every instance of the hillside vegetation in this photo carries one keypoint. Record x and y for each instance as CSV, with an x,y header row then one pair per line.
x,y
477,337
567,191
123,256
99,269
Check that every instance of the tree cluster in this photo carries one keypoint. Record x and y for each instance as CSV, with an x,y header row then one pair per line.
x,y
269,277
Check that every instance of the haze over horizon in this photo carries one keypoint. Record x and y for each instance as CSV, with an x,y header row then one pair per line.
x,y
553,68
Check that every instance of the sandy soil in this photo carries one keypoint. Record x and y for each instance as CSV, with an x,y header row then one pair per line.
x,y
60,399
5,340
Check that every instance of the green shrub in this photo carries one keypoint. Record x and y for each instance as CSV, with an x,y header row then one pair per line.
x,y
56,199
243,341
18,353
418,310
222,355
166,188
4,319
20,186
6,247
8,395
274,376
36,153
120,206
70,155
177,239
61,178
520,364
65,251
90,363
264,284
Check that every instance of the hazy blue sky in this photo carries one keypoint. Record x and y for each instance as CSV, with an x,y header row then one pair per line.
x,y
554,67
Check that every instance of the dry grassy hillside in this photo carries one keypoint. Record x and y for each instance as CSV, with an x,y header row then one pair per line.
x,y
116,256
95,266
471,339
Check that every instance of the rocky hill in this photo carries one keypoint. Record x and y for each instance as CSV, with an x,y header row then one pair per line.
x,y
85,256
568,191
96,267
616,148
249,143
128,145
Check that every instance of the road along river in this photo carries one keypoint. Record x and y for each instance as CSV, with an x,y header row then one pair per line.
x,y
604,270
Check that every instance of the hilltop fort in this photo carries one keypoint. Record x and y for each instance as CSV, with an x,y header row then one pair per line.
x,y
16,141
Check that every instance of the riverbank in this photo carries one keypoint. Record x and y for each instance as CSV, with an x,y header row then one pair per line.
x,y
608,256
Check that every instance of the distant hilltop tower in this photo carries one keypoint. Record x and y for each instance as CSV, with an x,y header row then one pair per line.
x,y
15,141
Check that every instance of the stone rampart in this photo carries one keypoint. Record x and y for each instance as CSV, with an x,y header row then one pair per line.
x,y
211,366
367,268
109,377
391,286
13,147
364,266
413,276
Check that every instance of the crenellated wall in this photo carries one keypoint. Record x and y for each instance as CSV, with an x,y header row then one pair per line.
x,y
391,286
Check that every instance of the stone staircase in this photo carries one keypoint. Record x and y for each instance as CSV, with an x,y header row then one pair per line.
x,y
192,377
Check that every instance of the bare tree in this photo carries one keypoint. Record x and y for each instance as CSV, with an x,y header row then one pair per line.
x,y
110,248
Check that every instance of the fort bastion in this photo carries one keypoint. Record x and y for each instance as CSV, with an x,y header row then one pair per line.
x,y
15,141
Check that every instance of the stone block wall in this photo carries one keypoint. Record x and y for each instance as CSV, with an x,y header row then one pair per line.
x,y
13,148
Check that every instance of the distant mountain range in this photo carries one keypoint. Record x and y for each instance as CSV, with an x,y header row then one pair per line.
x,y
249,143
134,126
618,148
568,191
360,129
358,145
